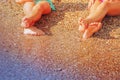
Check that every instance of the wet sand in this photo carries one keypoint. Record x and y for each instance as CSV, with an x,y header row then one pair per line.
x,y
60,54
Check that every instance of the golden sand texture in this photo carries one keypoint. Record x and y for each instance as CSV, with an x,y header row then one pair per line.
x,y
97,58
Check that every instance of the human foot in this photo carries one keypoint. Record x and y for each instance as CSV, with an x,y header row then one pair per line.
x,y
82,25
27,22
33,31
92,28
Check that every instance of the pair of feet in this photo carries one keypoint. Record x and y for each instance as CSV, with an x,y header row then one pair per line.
x,y
29,29
88,29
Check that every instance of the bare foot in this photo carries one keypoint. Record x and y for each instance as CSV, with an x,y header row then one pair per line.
x,y
82,25
27,22
33,31
92,28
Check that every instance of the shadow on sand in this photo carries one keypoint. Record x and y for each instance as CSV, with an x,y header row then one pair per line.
x,y
48,21
109,24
